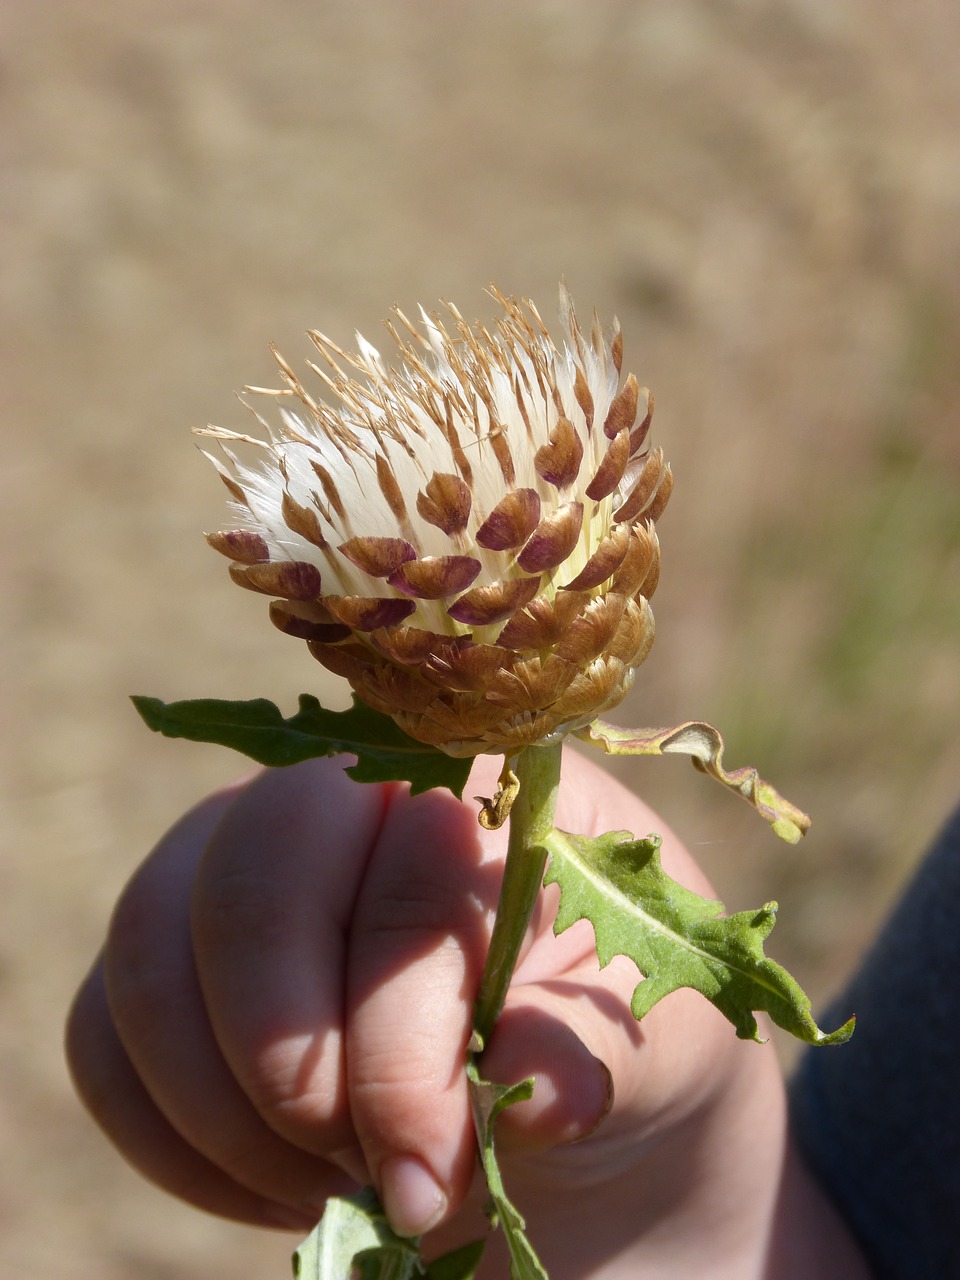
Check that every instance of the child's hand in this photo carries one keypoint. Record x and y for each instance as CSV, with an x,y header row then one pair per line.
x,y
282,1008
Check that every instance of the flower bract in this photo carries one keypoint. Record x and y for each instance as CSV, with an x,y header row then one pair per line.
x,y
466,536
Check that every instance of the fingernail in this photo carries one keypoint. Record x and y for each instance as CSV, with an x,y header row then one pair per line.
x,y
607,1104
413,1200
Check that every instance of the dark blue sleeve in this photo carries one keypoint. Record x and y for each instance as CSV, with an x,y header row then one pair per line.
x,y
878,1119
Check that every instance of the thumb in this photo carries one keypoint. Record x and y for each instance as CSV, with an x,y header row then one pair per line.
x,y
540,1035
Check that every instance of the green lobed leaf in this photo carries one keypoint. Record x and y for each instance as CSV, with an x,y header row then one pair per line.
x,y
487,1101
386,1262
703,743
257,728
458,1264
354,1241
675,937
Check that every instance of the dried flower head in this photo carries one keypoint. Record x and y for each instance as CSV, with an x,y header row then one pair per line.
x,y
467,538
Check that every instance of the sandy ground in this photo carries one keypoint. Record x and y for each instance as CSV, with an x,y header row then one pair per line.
x,y
767,194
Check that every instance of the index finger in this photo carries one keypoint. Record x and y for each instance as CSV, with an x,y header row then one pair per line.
x,y
272,900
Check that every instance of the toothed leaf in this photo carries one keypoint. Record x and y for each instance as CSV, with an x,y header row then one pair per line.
x,y
675,937
257,728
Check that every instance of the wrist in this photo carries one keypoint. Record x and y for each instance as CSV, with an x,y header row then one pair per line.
x,y
720,1194
727,1199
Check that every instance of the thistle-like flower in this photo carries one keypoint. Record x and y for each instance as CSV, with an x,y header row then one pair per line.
x,y
467,538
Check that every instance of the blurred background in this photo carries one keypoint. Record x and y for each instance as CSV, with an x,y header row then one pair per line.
x,y
767,193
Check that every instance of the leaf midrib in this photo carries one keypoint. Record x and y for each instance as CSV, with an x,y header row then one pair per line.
x,y
607,889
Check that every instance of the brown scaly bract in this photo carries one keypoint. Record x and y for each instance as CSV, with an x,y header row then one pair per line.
x,y
467,538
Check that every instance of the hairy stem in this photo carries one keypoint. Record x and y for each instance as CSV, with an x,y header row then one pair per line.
x,y
531,821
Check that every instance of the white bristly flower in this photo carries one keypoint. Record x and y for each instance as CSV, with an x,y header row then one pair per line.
x,y
468,538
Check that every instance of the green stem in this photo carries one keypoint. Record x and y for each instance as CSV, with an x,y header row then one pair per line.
x,y
531,821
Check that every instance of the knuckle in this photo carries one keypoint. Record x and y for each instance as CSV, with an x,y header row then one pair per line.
x,y
300,1098
234,905
412,908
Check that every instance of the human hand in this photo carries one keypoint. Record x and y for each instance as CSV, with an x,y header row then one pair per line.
x,y
282,1009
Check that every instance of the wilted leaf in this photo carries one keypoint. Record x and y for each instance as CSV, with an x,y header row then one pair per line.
x,y
705,745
